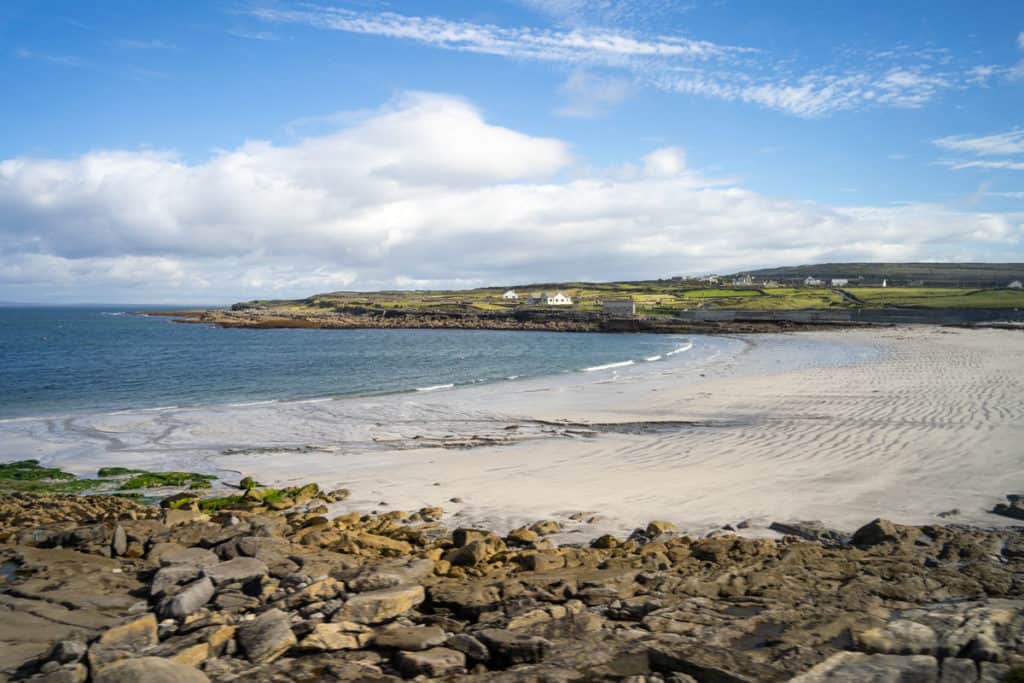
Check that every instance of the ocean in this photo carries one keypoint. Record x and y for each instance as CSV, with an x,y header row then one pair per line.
x,y
74,360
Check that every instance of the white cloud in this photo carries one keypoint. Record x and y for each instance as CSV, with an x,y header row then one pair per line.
x,y
1001,164
1010,142
588,94
424,192
899,77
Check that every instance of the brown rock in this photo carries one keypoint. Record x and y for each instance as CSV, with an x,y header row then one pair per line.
x,y
148,670
438,661
374,607
267,637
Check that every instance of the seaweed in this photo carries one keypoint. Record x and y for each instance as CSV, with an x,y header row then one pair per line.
x,y
152,480
117,472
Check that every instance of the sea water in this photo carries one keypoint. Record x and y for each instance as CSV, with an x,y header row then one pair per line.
x,y
62,361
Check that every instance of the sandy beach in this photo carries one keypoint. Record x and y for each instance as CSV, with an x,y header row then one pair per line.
x,y
842,426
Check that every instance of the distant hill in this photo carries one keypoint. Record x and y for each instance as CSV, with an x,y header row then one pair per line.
x,y
912,274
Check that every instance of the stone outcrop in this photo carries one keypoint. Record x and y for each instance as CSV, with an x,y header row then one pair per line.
x,y
291,594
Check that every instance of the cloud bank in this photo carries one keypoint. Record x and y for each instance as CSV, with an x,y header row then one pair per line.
x,y
422,193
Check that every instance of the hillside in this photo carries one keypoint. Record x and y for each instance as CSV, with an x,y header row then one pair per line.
x,y
959,275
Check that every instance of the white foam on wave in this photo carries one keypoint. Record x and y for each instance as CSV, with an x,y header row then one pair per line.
x,y
315,400
436,387
512,377
252,403
685,347
651,359
608,366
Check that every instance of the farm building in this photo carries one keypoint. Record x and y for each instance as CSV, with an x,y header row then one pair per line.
x,y
811,281
559,299
840,282
510,295
619,307
1016,284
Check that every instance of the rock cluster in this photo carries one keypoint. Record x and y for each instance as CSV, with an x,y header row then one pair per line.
x,y
113,591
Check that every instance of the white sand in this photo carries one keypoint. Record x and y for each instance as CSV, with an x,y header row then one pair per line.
x,y
934,422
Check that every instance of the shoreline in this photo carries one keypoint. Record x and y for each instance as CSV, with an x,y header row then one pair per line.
x,y
752,436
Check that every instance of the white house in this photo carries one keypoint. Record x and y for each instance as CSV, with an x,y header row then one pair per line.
x,y
840,282
811,281
1016,284
710,279
885,283
510,295
559,299
743,281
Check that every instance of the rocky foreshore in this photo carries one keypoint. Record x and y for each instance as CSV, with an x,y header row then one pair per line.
x,y
528,320
104,589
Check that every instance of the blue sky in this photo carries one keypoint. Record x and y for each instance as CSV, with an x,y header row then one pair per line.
x,y
213,151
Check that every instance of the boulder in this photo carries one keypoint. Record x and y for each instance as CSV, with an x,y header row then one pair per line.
x,y
266,637
148,670
811,531
344,635
67,651
173,518
857,667
167,579
508,648
469,646
900,637
438,661
522,536
175,554
410,637
880,531
119,541
374,607
124,641
546,527
188,600
238,570
659,527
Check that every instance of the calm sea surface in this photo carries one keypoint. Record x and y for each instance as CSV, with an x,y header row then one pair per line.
x,y
55,361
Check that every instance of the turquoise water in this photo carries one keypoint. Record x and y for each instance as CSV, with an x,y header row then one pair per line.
x,y
57,361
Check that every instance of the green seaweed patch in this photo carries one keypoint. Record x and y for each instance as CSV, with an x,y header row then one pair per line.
x,y
131,495
31,470
117,472
153,480
223,503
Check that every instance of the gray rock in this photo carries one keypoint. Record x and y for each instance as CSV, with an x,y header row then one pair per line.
x,y
67,651
189,599
240,569
148,670
438,661
469,646
992,672
267,637
71,673
900,637
197,557
508,648
857,667
167,579
119,543
811,531
410,637
956,670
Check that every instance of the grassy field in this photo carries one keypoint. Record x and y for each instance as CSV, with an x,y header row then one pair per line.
x,y
662,297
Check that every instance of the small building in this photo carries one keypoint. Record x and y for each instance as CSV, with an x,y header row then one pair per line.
x,y
510,295
811,281
619,307
743,281
1016,284
885,283
536,298
840,282
559,299
710,279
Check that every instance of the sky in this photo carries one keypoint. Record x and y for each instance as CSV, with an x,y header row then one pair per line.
x,y
211,152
